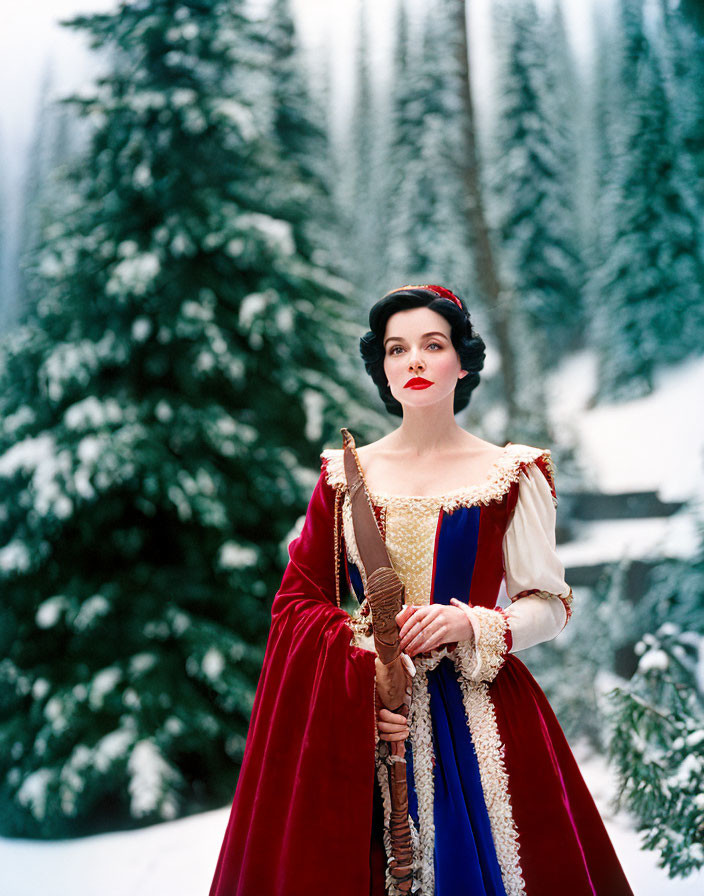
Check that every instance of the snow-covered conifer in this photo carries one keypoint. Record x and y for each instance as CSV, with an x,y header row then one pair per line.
x,y
426,236
657,744
647,293
657,716
162,409
532,174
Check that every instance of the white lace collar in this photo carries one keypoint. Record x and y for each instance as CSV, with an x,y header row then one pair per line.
x,y
503,473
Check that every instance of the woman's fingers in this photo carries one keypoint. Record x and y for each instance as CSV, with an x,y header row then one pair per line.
x,y
389,731
392,726
422,639
405,613
433,636
433,626
393,737
387,716
415,624
409,632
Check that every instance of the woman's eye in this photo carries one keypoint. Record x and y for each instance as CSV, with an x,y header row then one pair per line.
x,y
392,350
436,344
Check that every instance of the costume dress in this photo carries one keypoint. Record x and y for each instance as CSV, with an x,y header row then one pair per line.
x,y
497,805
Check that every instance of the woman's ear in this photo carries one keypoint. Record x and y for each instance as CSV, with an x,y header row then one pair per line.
x,y
461,374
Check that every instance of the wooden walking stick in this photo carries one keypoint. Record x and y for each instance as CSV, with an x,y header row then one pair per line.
x,y
384,592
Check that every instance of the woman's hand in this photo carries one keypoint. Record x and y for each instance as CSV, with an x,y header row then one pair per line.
x,y
393,688
392,683
424,628
391,725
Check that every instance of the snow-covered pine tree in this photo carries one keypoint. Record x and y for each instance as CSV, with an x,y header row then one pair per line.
x,y
162,412
566,113
657,745
601,147
648,291
406,104
299,130
657,718
681,48
427,242
533,206
300,188
532,175
361,194
693,12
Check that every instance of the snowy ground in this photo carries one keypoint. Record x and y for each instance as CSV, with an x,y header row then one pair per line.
x,y
178,858
652,443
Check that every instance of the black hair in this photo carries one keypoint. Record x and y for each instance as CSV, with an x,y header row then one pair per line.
x,y
467,342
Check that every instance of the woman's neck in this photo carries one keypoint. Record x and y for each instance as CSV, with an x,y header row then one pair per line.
x,y
427,430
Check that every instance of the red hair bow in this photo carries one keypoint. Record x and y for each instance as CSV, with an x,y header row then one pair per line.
x,y
446,294
439,290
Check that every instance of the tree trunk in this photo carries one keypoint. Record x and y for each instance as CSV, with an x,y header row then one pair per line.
x,y
498,301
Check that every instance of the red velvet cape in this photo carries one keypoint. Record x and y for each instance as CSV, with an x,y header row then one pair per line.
x,y
301,819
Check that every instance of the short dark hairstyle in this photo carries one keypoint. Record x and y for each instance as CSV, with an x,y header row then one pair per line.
x,y
467,342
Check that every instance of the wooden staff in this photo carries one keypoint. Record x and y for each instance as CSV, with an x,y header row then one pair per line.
x,y
384,592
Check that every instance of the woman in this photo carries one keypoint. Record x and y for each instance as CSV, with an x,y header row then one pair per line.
x,y
497,805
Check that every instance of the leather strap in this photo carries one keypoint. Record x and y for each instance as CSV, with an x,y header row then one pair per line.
x,y
383,588
370,544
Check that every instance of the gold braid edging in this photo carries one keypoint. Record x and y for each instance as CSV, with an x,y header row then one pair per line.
x,y
336,526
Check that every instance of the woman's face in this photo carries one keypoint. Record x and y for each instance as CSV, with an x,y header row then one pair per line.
x,y
420,361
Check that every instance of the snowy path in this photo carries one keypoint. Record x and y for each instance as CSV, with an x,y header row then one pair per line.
x,y
178,858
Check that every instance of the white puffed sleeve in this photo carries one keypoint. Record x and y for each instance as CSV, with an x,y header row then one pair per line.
x,y
535,576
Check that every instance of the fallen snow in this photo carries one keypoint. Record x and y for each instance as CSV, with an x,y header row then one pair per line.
x,y
15,557
653,659
151,781
651,443
134,274
178,858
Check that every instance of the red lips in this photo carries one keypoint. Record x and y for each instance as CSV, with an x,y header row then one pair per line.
x,y
417,382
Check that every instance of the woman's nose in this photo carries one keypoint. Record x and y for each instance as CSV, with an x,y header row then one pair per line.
x,y
414,360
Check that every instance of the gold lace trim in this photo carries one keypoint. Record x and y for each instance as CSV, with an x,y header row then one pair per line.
x,y
336,525
410,541
504,472
481,656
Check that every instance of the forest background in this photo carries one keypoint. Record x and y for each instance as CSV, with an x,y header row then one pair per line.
x,y
204,224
